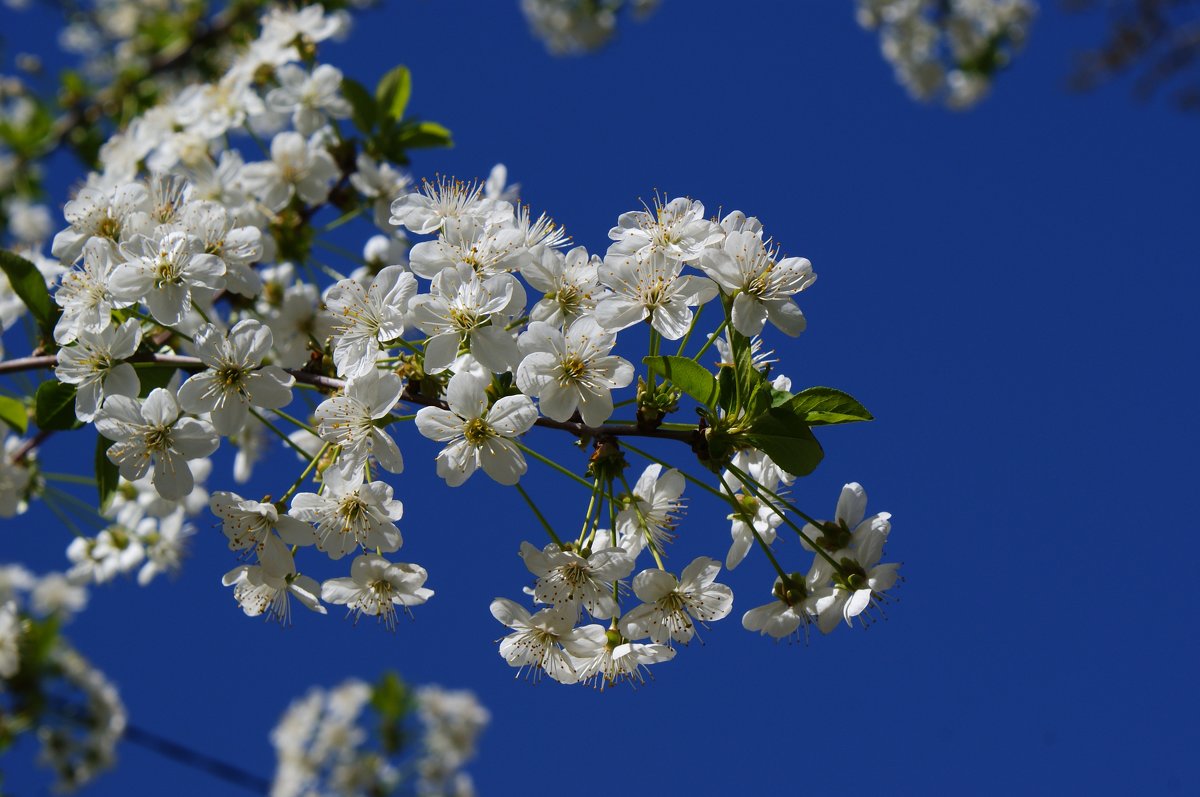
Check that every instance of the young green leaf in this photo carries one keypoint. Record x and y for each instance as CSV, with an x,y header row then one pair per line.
x,y
13,413
393,92
785,438
54,406
107,475
688,375
30,286
420,135
363,110
823,406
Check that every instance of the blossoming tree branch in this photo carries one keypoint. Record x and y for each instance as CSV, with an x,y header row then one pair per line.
x,y
191,298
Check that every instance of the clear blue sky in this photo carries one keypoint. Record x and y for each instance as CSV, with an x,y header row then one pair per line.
x,y
1011,291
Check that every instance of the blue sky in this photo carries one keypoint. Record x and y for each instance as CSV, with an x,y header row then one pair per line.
x,y
1009,290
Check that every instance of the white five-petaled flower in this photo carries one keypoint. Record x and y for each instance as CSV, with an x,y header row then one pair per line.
x,y
677,230
761,285
349,421
266,587
850,527
248,523
649,287
349,514
542,641
152,432
448,202
794,607
463,307
363,319
84,293
486,250
309,98
94,365
569,581
298,167
165,271
376,587
238,246
477,437
114,214
650,514
569,283
572,369
670,606
236,379
604,661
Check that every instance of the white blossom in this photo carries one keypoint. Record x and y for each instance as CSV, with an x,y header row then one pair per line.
x,y
476,436
151,432
376,587
94,365
349,514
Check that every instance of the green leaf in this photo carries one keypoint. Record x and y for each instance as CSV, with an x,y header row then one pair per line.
x,y
423,135
54,406
153,376
688,375
393,92
785,438
13,413
823,406
30,286
107,474
363,110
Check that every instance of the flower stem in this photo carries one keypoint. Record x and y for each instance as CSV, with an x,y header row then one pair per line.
x,y
711,340
553,464
311,466
279,432
545,523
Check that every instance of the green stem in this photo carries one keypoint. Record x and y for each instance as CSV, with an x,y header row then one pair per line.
x,y
294,421
553,464
69,478
279,432
587,516
691,328
340,220
542,518
761,492
637,507
711,340
311,465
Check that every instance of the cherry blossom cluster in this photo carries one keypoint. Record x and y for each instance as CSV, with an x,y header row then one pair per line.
x,y
324,742
188,310
77,713
574,26
944,50
948,51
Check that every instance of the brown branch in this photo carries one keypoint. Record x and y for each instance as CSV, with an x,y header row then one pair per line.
x,y
185,363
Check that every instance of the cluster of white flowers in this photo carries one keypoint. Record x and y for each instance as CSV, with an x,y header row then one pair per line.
x,y
324,744
948,49
192,314
451,721
574,26
945,50
145,531
79,734
82,747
